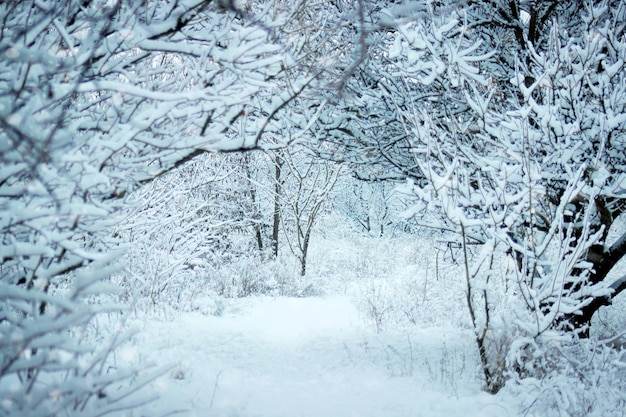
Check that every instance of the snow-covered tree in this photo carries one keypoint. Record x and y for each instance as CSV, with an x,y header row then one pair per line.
x,y
304,192
373,208
320,59
509,119
97,98
183,228
242,197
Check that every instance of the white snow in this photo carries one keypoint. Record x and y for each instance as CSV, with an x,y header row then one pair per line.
x,y
314,357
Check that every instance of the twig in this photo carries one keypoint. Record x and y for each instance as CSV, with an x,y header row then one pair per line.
x,y
217,379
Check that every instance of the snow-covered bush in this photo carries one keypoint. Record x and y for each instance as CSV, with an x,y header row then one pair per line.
x,y
371,207
567,378
192,235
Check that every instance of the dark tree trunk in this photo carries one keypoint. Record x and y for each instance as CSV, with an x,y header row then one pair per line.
x,y
603,262
258,221
278,165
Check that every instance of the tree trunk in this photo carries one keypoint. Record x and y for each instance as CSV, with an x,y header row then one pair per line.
x,y
603,262
278,162
305,250
258,221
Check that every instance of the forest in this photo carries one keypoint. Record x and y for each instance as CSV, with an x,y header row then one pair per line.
x,y
312,208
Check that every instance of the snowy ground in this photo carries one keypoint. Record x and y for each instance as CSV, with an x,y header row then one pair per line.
x,y
390,337
315,357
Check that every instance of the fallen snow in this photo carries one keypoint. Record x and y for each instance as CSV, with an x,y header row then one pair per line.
x,y
317,357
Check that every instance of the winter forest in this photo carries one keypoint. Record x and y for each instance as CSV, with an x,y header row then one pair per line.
x,y
320,208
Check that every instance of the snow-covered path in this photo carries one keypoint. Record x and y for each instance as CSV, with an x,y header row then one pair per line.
x,y
309,357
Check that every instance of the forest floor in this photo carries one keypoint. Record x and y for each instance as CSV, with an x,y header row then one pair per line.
x,y
317,357
384,331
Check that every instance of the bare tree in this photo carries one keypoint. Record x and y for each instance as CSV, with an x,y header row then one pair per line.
x,y
308,184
